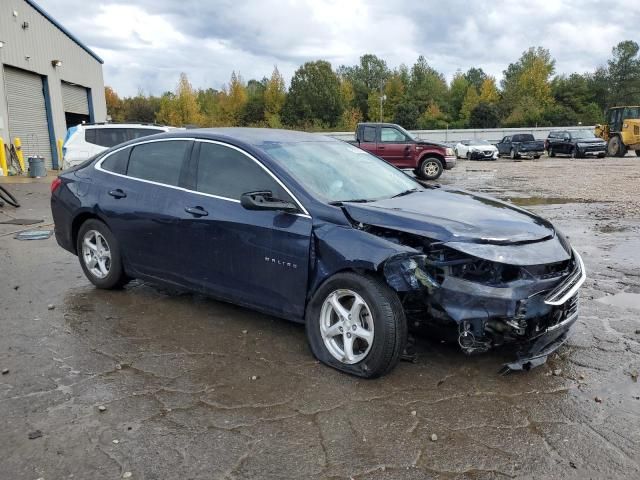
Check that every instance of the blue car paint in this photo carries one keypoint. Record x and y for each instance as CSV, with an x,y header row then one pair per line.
x,y
275,261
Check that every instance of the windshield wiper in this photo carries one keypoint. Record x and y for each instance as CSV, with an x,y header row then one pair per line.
x,y
337,203
406,192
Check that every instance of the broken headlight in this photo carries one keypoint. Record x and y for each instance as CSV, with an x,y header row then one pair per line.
x,y
404,273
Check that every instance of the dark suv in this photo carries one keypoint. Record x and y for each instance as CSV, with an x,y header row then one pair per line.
x,y
576,143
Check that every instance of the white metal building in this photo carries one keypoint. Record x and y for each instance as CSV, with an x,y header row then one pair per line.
x,y
49,80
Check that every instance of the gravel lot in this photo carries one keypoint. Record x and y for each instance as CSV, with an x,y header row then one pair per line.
x,y
150,384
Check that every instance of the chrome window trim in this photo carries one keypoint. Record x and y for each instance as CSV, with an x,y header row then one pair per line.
x,y
98,166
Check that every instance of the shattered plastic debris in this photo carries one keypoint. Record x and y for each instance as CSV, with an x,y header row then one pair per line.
x,y
33,235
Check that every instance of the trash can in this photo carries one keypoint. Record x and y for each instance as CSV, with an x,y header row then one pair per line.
x,y
36,167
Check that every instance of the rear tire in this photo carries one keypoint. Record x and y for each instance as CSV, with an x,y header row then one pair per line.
x,y
430,169
382,315
637,153
99,255
551,152
513,154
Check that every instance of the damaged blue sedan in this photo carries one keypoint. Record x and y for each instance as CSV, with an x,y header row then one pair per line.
x,y
315,230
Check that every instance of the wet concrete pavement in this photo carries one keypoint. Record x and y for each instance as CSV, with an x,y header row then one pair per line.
x,y
198,389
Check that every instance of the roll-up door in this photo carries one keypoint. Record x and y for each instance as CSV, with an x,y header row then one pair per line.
x,y
76,104
28,112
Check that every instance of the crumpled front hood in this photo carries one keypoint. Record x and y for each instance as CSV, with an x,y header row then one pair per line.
x,y
449,215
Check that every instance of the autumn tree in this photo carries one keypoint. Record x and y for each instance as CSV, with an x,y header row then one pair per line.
x,y
274,97
489,91
471,100
351,114
180,108
114,105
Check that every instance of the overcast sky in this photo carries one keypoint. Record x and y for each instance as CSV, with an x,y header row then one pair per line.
x,y
146,43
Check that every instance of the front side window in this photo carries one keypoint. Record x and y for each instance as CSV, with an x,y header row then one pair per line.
x,y
158,161
228,173
391,135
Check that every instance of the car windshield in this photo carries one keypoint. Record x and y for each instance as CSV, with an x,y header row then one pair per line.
x,y
338,172
481,142
583,134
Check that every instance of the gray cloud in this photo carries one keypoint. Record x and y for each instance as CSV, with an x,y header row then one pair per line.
x,y
147,43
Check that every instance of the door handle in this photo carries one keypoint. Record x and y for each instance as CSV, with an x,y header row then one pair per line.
x,y
381,147
196,211
117,193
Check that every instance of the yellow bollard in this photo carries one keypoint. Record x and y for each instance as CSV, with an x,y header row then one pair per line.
x,y
18,144
3,159
60,156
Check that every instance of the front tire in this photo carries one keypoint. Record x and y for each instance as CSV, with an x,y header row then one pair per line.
x,y
513,154
356,324
99,255
430,169
637,153
616,148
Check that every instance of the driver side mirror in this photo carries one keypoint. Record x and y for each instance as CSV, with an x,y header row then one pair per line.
x,y
264,200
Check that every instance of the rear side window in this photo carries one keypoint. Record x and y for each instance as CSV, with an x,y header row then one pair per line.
x,y
369,134
158,161
117,162
228,173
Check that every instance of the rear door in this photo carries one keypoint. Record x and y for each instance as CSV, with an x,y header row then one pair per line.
x,y
142,198
254,258
367,137
395,147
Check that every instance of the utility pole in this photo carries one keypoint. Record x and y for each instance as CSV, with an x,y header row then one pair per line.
x,y
382,99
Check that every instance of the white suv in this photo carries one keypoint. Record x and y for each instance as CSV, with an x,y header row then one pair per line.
x,y
87,140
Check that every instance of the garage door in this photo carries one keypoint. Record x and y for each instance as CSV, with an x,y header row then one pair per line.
x,y
74,99
27,112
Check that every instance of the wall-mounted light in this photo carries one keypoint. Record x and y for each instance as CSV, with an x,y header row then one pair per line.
x,y
25,25
1,43
56,63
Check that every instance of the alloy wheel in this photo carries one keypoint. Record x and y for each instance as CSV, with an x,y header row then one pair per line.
x,y
431,168
96,254
346,326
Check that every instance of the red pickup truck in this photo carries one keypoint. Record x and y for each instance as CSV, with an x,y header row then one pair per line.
x,y
398,147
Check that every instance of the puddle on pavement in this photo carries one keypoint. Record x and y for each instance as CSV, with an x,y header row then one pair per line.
x,y
623,299
531,201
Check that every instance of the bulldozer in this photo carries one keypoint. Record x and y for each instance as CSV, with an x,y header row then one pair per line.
x,y
622,131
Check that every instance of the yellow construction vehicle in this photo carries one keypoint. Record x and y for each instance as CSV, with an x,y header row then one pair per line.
x,y
622,131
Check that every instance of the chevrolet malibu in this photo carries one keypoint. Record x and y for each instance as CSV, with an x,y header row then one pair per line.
x,y
314,230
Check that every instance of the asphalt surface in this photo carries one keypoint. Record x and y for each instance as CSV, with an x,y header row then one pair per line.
x,y
192,388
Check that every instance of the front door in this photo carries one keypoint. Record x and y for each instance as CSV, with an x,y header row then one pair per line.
x,y
395,147
254,258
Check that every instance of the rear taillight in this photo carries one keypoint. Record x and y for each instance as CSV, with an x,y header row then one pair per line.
x,y
55,184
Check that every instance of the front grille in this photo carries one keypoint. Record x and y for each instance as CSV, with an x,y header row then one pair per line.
x,y
570,285
488,153
563,312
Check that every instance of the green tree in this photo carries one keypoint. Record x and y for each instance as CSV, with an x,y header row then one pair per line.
x,y
484,115
457,92
427,85
624,74
254,109
406,115
369,75
475,77
314,97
